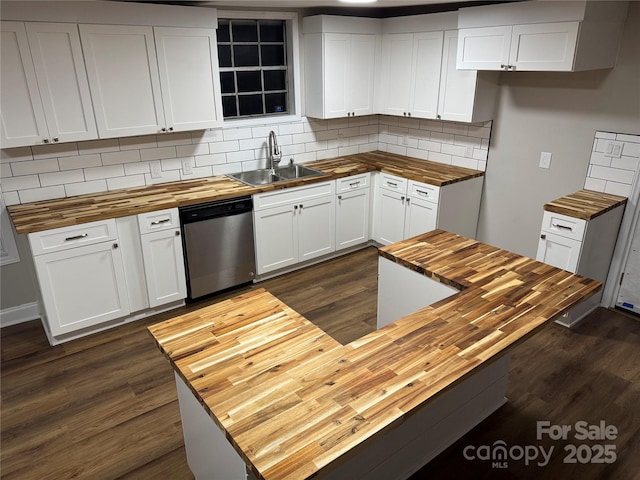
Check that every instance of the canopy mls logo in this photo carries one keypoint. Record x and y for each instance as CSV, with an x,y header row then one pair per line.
x,y
500,454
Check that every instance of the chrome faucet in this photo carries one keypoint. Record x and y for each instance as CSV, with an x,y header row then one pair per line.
x,y
274,151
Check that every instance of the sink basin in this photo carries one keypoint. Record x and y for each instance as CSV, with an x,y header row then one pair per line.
x,y
265,176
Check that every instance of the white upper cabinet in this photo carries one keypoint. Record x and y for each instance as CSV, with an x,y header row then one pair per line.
x,y
45,94
166,82
189,78
540,36
411,74
123,76
340,66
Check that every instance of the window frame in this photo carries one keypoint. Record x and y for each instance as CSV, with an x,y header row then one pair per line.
x,y
293,56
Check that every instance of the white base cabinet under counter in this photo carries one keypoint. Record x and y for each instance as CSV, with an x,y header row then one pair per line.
x,y
80,275
353,199
293,225
581,245
406,208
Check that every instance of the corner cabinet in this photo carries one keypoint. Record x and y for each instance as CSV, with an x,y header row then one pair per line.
x,y
405,208
44,91
293,225
81,277
168,81
339,67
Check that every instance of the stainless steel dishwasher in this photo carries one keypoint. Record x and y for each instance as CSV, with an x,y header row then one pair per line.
x,y
218,245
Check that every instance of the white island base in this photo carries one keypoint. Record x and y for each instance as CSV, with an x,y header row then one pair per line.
x,y
394,453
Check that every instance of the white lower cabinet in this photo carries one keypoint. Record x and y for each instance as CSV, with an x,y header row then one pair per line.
x,y
81,278
163,256
406,208
352,211
293,225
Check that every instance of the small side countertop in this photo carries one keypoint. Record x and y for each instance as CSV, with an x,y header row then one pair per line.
x,y
63,212
585,204
291,400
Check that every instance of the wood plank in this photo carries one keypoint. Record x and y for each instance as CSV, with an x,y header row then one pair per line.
x,y
585,204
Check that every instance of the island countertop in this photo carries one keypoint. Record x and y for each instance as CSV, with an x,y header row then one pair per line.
x,y
63,212
291,400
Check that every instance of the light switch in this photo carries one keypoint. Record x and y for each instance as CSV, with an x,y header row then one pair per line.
x,y
156,169
545,160
187,167
468,152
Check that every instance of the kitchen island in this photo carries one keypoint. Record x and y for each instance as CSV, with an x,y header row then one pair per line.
x,y
294,403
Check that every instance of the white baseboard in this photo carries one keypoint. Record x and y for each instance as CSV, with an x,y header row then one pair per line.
x,y
19,314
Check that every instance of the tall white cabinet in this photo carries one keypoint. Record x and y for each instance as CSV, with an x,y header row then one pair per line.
x,y
44,91
581,240
340,62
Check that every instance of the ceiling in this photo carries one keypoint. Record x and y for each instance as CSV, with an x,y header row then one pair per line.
x,y
321,3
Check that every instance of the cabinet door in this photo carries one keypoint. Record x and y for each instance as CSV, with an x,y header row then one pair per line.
x,y
457,87
352,218
23,120
316,227
164,267
362,62
276,238
189,77
335,60
560,252
390,217
427,60
82,287
483,48
397,60
544,46
62,80
420,217
123,77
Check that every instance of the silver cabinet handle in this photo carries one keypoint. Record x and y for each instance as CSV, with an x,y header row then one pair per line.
x,y
159,222
561,227
422,192
76,237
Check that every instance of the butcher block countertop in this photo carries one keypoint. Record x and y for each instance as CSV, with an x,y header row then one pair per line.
x,y
291,400
585,204
48,214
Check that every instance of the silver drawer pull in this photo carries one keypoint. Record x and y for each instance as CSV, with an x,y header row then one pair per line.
x,y
160,222
422,192
76,237
561,227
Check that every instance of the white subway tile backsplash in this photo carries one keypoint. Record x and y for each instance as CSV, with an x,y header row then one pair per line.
x,y
453,149
429,145
623,137
418,153
616,188
81,161
94,186
167,176
169,139
245,144
197,172
35,167
315,125
397,149
315,146
630,149
399,130
613,174
455,129
98,146
5,170
110,171
325,154
240,156
193,149
599,158
352,150
609,135
207,136
328,134
595,184
419,134
118,158
212,159
480,154
18,154
54,150
626,163
338,123
358,122
442,137
20,183
290,129
43,193
155,153
439,157
479,132
464,162
236,133
467,141
303,137
223,147
431,125
367,147
388,139
227,168
171,164
137,168
125,182
11,198
138,143
60,178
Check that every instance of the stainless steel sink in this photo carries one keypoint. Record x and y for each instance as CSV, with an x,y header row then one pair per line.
x,y
265,176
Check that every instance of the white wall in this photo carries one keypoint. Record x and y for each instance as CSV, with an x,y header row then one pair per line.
x,y
557,113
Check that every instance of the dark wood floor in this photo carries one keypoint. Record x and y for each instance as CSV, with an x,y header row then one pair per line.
x,y
104,407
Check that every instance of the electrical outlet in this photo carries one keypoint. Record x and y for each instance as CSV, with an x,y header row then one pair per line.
x,y
405,140
545,160
156,169
614,149
187,166
468,152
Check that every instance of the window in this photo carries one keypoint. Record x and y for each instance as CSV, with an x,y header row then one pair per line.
x,y
255,68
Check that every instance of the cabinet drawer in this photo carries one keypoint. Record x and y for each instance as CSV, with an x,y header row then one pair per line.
x,y
160,220
393,183
353,182
74,236
563,225
425,191
292,195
